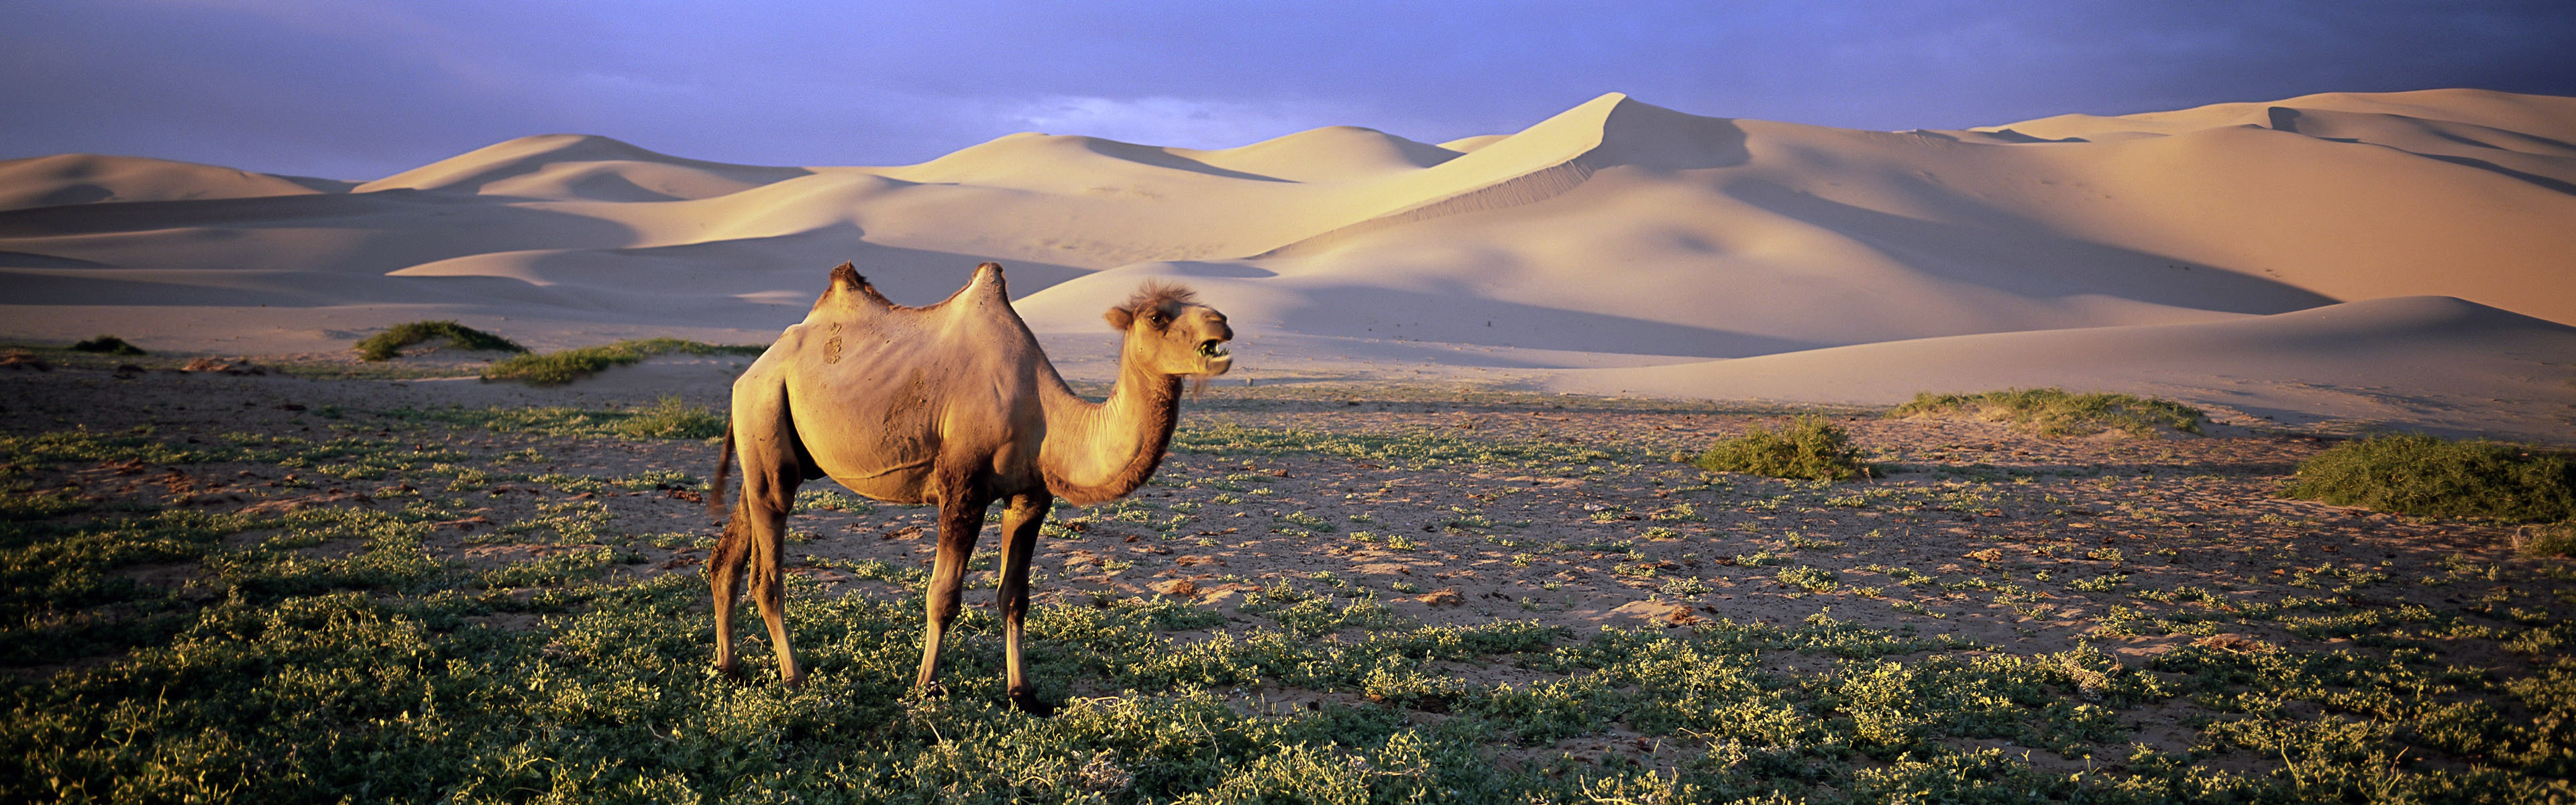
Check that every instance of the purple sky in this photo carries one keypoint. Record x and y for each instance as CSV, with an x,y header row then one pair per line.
x,y
355,89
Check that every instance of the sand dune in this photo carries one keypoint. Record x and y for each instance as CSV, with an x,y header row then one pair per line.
x,y
2430,361
1702,256
65,179
569,167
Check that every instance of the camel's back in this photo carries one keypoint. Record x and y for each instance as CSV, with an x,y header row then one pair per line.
x,y
878,392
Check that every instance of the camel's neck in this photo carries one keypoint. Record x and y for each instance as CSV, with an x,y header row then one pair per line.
x,y
1100,451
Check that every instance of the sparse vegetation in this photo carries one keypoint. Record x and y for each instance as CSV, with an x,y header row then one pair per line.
x,y
2427,476
389,344
1811,447
490,605
2555,539
2058,412
669,418
108,345
558,368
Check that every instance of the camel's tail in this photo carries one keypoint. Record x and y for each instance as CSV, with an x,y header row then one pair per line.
x,y
724,467
725,565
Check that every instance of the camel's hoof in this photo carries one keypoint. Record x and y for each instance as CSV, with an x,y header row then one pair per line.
x,y
1026,700
729,673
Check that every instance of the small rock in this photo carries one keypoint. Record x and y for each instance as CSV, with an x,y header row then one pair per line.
x,y
1442,598
1176,588
1663,612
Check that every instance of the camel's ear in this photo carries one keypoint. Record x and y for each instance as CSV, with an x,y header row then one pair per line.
x,y
1119,318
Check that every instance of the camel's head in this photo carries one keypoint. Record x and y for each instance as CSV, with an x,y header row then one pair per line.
x,y
1172,333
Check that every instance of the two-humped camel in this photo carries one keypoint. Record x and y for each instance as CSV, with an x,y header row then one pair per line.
x,y
952,404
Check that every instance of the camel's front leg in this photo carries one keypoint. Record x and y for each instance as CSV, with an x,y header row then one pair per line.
x,y
961,515
1020,523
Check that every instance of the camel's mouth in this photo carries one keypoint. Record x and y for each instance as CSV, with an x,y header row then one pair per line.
x,y
1214,358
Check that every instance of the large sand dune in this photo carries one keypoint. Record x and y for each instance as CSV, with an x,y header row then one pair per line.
x,y
2392,257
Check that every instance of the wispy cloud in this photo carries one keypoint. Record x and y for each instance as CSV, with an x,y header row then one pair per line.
x,y
1168,121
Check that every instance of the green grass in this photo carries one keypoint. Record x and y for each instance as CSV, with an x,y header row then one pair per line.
x,y
669,418
388,345
1412,449
2426,476
108,345
1811,447
558,368
2058,412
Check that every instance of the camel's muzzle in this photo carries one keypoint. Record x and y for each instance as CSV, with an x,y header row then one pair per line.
x,y
1217,357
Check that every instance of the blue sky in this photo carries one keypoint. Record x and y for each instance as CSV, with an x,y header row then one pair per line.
x,y
357,89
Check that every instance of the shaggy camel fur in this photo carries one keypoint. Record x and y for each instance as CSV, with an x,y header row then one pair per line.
x,y
951,404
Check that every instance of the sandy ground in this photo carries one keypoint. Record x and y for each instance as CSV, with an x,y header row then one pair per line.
x,y
1979,532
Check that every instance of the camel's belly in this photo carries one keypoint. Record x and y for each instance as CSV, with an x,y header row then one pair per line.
x,y
888,490
889,481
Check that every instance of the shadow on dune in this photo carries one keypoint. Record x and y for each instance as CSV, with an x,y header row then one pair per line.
x,y
1157,157
2024,259
800,261
364,233
1462,318
278,289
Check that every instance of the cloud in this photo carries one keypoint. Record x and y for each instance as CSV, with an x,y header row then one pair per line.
x,y
1167,121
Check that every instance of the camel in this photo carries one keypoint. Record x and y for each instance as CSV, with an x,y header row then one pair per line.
x,y
952,404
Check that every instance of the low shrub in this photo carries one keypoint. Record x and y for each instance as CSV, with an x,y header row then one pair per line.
x,y
2426,476
670,418
109,345
1810,447
558,368
389,344
2555,539
2058,412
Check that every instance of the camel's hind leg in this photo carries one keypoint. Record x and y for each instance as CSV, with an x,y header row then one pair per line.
x,y
724,575
755,540
1020,522
961,516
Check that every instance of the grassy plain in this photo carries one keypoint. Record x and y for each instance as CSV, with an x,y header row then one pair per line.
x,y
281,590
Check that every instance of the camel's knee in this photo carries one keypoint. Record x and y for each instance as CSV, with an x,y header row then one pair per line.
x,y
768,585
943,609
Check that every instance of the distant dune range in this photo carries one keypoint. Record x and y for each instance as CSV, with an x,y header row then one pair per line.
x,y
2403,258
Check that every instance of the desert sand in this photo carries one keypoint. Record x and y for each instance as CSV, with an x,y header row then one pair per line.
x,y
2360,260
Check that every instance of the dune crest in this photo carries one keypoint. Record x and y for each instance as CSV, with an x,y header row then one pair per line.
x,y
580,167
65,179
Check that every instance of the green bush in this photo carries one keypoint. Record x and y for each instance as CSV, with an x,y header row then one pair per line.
x,y
2427,476
670,418
2058,412
108,344
558,368
2555,539
388,345
1810,447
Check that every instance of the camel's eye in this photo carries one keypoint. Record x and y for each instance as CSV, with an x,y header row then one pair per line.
x,y
1158,320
